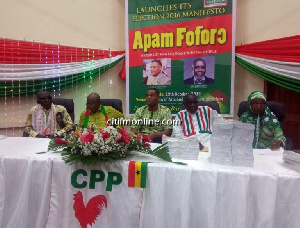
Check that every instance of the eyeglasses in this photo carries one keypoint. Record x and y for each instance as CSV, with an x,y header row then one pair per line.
x,y
258,104
45,98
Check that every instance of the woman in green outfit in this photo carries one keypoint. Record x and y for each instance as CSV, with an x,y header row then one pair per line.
x,y
267,132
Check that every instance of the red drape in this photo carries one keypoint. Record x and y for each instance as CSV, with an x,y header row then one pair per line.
x,y
122,73
285,49
25,52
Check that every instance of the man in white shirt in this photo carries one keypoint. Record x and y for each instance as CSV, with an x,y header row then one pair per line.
x,y
158,76
195,120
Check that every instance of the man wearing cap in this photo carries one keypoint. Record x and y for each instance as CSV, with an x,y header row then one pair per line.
x,y
46,120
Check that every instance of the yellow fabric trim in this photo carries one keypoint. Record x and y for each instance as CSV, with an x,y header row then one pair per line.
x,y
137,179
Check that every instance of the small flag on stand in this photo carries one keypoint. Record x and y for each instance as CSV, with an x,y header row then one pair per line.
x,y
137,174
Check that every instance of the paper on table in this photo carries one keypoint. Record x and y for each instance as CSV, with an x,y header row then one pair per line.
x,y
18,146
270,152
3,137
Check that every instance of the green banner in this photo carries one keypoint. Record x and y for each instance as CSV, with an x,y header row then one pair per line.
x,y
179,48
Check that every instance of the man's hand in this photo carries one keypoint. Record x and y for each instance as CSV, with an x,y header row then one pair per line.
x,y
50,136
136,132
140,134
39,136
153,135
276,145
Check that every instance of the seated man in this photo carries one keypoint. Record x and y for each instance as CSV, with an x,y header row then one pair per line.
x,y
46,120
195,120
154,119
97,114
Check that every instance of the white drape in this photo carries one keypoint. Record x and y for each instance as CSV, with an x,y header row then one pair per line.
x,y
25,72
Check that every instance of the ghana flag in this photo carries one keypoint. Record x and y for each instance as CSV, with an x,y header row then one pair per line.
x,y
137,174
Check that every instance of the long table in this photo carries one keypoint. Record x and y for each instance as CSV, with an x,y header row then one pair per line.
x,y
40,190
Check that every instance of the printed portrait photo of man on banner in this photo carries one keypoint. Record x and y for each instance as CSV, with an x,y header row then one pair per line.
x,y
199,68
158,73
180,48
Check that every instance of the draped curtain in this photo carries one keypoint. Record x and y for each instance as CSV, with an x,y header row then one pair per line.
x,y
277,61
27,67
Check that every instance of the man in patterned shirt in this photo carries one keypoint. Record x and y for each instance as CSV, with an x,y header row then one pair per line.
x,y
195,120
153,119
46,120
98,114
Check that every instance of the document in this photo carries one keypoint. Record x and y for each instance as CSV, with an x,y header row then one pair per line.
x,y
3,137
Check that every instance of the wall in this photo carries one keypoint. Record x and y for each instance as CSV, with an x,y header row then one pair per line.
x,y
100,24
79,23
259,20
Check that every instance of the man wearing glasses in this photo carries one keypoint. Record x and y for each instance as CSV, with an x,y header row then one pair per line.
x,y
46,120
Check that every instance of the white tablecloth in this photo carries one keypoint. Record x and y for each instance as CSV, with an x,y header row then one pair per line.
x,y
200,194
